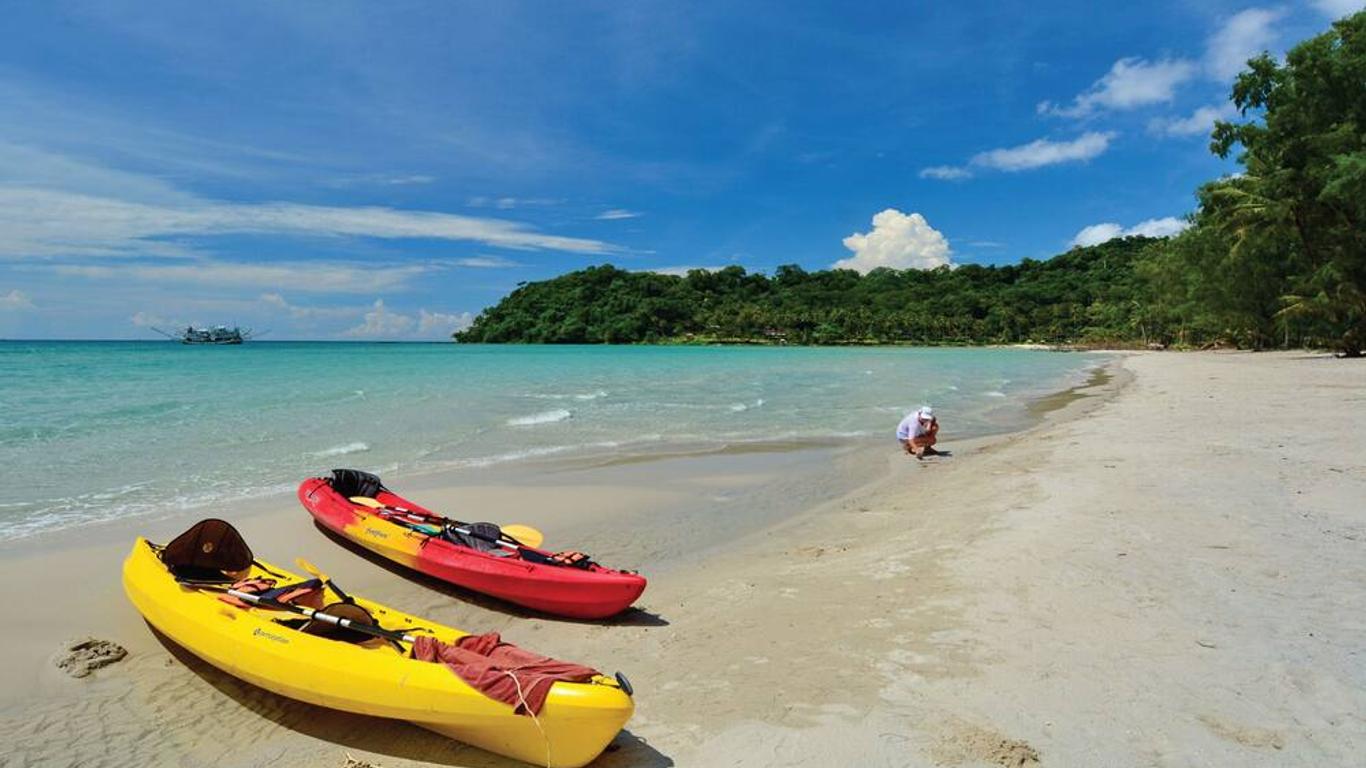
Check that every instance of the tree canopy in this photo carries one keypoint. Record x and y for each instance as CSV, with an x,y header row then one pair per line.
x,y
1086,294
1274,256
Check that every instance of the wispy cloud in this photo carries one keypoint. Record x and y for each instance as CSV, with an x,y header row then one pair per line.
x,y
382,180
1043,152
308,277
34,112
1336,9
23,165
945,173
1243,36
1104,232
486,262
1199,122
617,213
510,203
143,319
1131,82
15,301
38,222
277,302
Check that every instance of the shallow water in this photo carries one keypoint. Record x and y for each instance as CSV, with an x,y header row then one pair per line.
x,y
102,430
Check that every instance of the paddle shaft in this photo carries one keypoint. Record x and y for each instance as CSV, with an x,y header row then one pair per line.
x,y
456,528
365,629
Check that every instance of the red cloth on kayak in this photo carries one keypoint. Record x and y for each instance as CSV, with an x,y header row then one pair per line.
x,y
489,665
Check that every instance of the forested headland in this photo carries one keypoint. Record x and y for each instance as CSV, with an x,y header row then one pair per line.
x,y
1275,257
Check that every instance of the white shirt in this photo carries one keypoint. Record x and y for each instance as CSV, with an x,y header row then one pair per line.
x,y
910,427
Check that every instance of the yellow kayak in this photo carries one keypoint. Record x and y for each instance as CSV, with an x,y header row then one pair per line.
x,y
577,721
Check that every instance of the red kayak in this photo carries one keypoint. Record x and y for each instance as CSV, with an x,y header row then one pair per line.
x,y
477,556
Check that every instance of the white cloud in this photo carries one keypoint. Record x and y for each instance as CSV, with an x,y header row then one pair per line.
x,y
277,302
509,203
1336,9
409,180
899,241
321,277
1107,231
616,214
15,301
380,323
1131,82
681,271
381,179
1199,122
485,262
43,222
152,320
26,166
442,322
1243,36
1042,152
945,173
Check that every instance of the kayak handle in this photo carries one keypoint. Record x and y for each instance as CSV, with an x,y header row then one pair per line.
x,y
624,684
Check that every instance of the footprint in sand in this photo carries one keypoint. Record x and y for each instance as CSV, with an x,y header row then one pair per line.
x,y
966,743
1260,738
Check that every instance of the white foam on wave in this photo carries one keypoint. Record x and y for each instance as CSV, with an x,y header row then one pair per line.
x,y
594,395
994,393
342,450
552,450
739,407
544,417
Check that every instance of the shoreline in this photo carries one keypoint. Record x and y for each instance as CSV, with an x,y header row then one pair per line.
x,y
776,489
1079,592
512,470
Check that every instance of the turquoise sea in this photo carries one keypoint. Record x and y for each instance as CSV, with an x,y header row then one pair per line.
x,y
98,430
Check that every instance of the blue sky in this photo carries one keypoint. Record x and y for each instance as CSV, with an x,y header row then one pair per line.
x,y
385,170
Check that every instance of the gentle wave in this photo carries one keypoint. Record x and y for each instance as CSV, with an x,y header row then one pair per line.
x,y
87,509
584,396
216,428
342,450
545,417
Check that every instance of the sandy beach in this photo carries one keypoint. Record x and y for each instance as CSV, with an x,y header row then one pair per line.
x,y
1166,571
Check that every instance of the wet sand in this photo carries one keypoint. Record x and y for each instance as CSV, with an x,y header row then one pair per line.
x,y
1152,576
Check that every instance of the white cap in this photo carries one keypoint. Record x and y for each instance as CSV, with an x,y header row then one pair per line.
x,y
926,412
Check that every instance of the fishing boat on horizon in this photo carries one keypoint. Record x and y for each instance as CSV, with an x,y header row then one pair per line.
x,y
218,334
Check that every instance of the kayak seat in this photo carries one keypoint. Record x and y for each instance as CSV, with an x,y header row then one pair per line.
x,y
482,537
207,551
354,482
